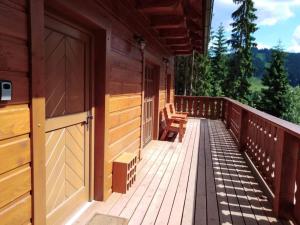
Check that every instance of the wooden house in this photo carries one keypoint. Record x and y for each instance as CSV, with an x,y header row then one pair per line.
x,y
88,82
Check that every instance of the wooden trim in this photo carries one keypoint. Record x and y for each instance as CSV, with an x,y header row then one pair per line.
x,y
102,70
38,111
64,121
156,105
142,102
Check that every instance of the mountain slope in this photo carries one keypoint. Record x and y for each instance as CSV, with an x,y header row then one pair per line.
x,y
262,57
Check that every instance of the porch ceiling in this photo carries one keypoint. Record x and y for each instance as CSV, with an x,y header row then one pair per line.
x,y
182,25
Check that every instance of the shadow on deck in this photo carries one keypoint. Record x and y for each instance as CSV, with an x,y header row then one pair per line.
x,y
204,180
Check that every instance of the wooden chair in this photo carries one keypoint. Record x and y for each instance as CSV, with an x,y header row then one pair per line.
x,y
173,124
175,114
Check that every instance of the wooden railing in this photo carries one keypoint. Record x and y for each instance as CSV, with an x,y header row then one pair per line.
x,y
271,144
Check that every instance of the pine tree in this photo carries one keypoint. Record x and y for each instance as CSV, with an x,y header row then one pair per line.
x,y
202,82
242,41
275,97
219,64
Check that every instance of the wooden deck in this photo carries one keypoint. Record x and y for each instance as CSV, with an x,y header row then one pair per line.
x,y
203,180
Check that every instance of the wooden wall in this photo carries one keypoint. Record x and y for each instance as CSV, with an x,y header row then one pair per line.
x,y
15,153
125,96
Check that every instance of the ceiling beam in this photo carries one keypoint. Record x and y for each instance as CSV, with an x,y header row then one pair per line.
x,y
178,42
181,48
173,33
161,7
168,21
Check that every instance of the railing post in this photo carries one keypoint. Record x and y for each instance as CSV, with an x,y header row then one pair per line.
x,y
286,159
243,130
228,119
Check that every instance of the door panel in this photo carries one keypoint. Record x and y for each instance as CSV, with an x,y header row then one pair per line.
x,y
67,132
149,96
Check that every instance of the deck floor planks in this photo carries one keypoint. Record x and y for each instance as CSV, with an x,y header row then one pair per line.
x,y
188,213
178,204
143,171
258,201
202,181
129,209
157,200
167,204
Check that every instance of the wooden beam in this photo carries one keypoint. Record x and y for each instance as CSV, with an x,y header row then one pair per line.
x,y
173,33
181,48
178,42
181,52
38,111
194,27
163,7
168,21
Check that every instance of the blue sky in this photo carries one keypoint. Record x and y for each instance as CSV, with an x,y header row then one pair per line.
x,y
277,20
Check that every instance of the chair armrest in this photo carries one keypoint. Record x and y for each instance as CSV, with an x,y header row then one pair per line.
x,y
182,113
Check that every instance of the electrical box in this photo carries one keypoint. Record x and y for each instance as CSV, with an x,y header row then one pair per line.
x,y
5,90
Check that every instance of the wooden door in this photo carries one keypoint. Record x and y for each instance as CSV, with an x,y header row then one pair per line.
x,y
149,98
67,52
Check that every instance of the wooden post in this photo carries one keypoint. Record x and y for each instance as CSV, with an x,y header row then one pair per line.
x,y
38,111
228,109
286,166
243,130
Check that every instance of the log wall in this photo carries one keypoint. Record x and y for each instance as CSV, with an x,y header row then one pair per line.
x,y
15,150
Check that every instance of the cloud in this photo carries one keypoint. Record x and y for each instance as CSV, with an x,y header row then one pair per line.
x,y
263,46
269,12
295,47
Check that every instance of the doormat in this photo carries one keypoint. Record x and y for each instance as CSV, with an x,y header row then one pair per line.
x,y
100,219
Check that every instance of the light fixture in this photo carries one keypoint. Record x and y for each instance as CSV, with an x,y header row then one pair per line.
x,y
140,40
166,61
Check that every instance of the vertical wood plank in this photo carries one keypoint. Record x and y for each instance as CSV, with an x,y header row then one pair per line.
x,y
38,110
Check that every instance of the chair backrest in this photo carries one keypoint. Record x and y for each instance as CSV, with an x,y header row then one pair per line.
x,y
167,116
172,108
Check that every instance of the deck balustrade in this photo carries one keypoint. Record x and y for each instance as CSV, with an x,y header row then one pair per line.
x,y
270,144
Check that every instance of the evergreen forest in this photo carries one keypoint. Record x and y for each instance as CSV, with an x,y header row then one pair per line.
x,y
266,79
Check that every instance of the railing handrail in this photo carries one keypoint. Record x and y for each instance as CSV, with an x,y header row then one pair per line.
x,y
289,127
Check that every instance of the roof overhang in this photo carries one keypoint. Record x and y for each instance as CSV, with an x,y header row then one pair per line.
x,y
182,25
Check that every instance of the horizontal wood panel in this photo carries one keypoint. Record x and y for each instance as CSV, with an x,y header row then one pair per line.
x,y
13,22
125,75
119,118
124,47
14,184
18,212
14,152
117,103
124,88
14,57
133,147
118,147
14,120
118,132
20,84
124,62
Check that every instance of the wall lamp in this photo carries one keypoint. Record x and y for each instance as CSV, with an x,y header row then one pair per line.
x,y
166,61
140,40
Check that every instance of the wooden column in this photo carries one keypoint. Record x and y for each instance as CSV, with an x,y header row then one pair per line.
x,y
37,111
285,174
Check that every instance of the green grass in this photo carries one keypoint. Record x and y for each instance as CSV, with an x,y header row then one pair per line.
x,y
256,84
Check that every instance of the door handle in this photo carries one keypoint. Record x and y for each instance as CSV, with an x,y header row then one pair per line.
x,y
88,119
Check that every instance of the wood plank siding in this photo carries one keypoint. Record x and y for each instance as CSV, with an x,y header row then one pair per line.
x,y
115,100
15,145
202,181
